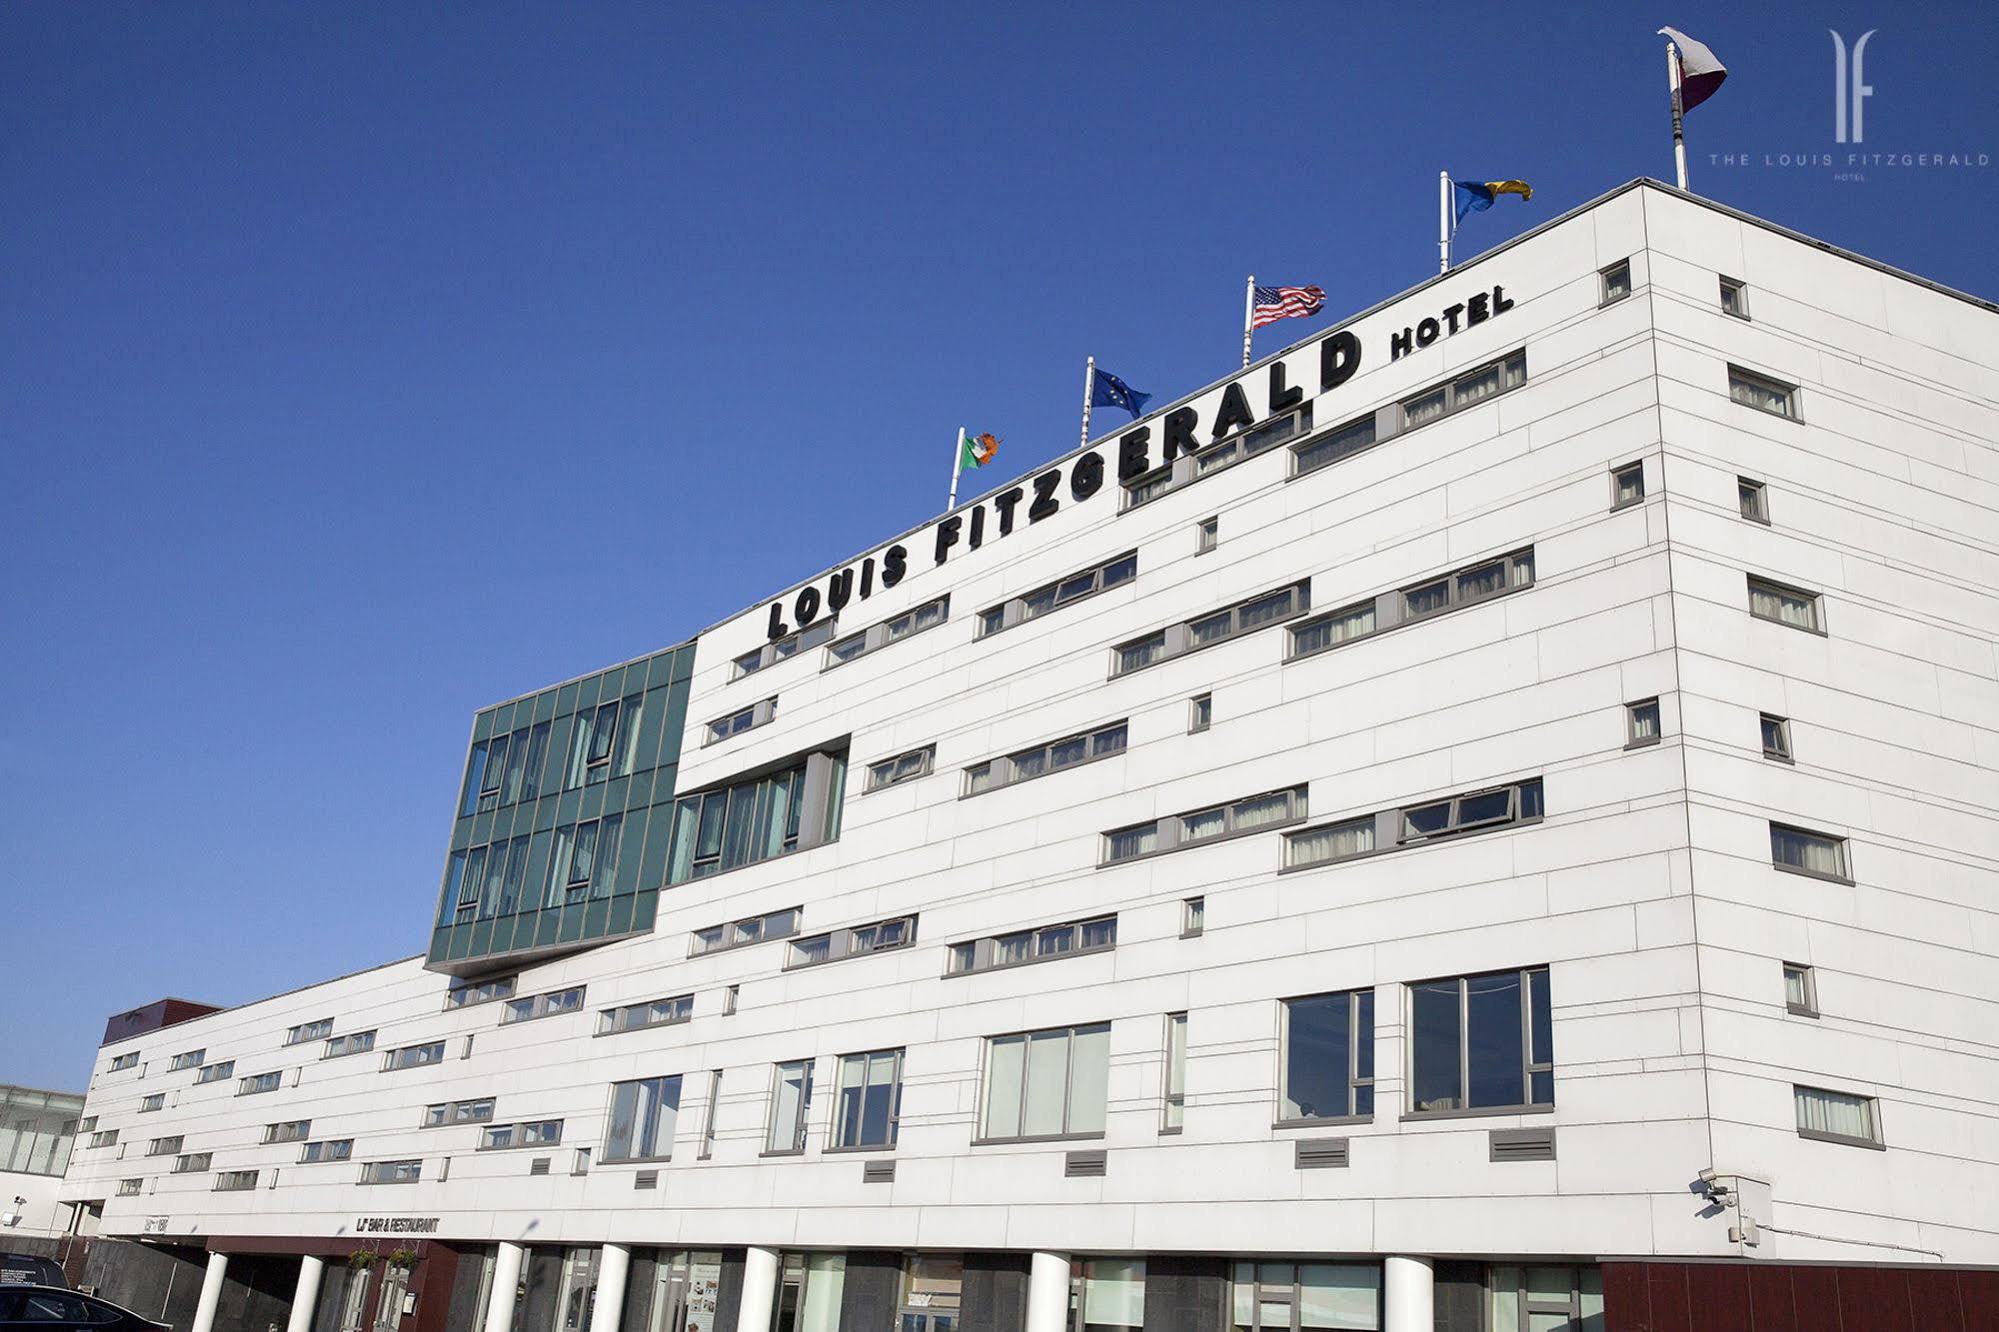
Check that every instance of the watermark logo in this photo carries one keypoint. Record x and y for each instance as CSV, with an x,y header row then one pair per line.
x,y
1849,86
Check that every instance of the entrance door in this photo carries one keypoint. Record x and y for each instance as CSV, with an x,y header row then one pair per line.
x,y
354,1300
578,1290
684,1296
389,1307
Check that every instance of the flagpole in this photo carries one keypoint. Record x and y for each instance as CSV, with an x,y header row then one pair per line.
x,y
1248,317
1443,221
1089,392
1679,115
957,466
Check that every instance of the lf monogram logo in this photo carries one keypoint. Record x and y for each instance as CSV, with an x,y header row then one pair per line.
x,y
1847,92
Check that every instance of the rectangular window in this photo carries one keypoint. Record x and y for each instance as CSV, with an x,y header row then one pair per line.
x,y
1218,455
708,1116
1328,1044
1238,818
1095,935
153,1101
129,1188
186,1060
1174,1115
130,1059
476,1111
354,1042
902,768
309,1031
215,1072
1434,596
593,742
466,994
1641,723
1765,394
1801,991
1200,713
758,818
1807,852
1753,499
1529,1299
1193,916
1616,282
893,630
1207,535
1062,592
193,1163
1351,438
585,861
333,1149
1046,1084
1481,1042
414,1056
168,1146
730,998
867,1099
1734,298
779,649
530,1133
1776,737
235,1181
877,937
1832,1116
1055,755
292,1130
1785,605
743,719
749,930
391,1172
1287,1297
651,1013
790,1103
643,1113
103,1138
1627,485
1466,390
1464,813
1332,842
543,1005
1265,608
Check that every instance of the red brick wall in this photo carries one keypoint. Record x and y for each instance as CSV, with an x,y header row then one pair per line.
x,y
1777,1297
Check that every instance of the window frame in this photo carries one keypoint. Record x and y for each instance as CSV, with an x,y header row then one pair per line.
x,y
349,1043
877,636
1207,534
451,1114
235,1181
1004,770
1877,1139
1172,1103
1168,832
799,1133
219,1071
1357,1032
1529,1066
471,993
1200,713
1606,291
812,785
794,644
119,1063
390,1060
681,1011
1837,842
152,1101
168,1145
289,1130
845,943
836,1132
1755,381
187,1059
985,954
1618,473
371,1170
1193,916
1808,986
1218,455
738,721
1179,639
1070,1032
193,1163
1634,738
732,928
1013,611
1740,291
662,1132
306,1032
544,1005
520,1135
330,1151
1771,587
1390,609
1752,499
925,755
1782,752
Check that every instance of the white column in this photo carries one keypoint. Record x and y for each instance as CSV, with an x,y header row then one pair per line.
x,y
1047,1292
305,1295
759,1290
211,1292
1410,1294
506,1280
613,1263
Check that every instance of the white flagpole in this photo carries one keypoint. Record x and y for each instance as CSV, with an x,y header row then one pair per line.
x,y
1679,115
1089,392
1443,221
957,466
1248,317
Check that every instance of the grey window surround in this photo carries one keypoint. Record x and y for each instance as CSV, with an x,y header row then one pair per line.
x,y
1632,711
1193,917
841,1125
878,636
636,1160
985,945
729,943
831,1150
390,1064
1004,763
306,1032
543,1007
1324,1121
235,1181
794,644
784,1151
1465,1041
369,1167
1810,1007
800,1128
1200,713
1388,825
523,1143
928,765
187,1059
1178,637
1769,384
1846,879
607,1018
1391,610
1207,534
153,1101
1480,1112
1391,420
1617,475
1609,278
1772,585
193,1163
819,775
1013,609
841,946
469,995
330,1151
1783,753
1758,509
1843,1139
1356,1007
291,1130
1169,827
216,1072
1215,457
353,1043
167,1146
1740,290
1045,1137
454,1112
760,713
1845,873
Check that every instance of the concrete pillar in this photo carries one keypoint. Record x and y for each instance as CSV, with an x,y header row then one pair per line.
x,y
1048,1292
305,1295
1410,1292
608,1307
506,1281
759,1290
211,1292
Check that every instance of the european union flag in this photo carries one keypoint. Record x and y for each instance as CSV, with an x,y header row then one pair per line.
x,y
1110,391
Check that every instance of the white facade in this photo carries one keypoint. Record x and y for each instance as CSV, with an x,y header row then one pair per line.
x,y
1648,888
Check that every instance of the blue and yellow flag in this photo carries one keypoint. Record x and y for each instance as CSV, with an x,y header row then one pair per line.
x,y
1475,196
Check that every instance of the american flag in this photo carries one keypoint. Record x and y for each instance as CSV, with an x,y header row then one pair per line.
x,y
1275,303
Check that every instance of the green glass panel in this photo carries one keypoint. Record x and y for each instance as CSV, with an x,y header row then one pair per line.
x,y
622,908
544,705
565,699
645,906
597,918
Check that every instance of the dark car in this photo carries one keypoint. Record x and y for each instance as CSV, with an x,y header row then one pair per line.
x,y
54,1309
27,1269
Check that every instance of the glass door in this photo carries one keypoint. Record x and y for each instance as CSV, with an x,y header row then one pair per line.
x,y
932,1287
685,1292
354,1300
577,1290
389,1305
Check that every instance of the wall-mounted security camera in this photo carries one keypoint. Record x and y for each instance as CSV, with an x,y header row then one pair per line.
x,y
1707,1174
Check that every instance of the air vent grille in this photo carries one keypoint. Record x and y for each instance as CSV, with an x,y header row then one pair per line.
x,y
1320,1153
878,1172
1085,1165
538,1166
646,1179
1533,1144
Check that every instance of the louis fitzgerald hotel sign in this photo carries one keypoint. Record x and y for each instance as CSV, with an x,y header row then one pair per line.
x,y
1180,433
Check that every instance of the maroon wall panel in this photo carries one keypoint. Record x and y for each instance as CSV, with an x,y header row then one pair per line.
x,y
1786,1297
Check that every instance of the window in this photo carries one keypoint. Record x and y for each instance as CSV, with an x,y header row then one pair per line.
x,y
505,769
901,768
186,1060
867,1099
1464,813
1832,1116
332,1149
1785,605
167,1146
778,649
1047,1084
1627,485
749,930
1193,916
292,1130
1776,737
1560,1299
1095,935
529,1133
790,808
1207,534
1616,282
1806,852
86,1124
130,1059
879,937
1106,1294
1351,438
1068,752
391,1172
730,998
1753,499
790,1102
1764,394
215,1072
1641,723
354,1042
543,1005
1174,1114
104,1138
1062,592
1218,455
651,1013
1328,1057
1735,298
1254,814
594,742
414,1056
743,719
1200,713
193,1163
1801,991
809,1292
466,994
914,621
309,1031
235,1181
1266,608
643,1113
445,1113
1481,1042
129,1188
708,1117
1433,596
1295,1297
152,1101
483,882
1466,390
260,1082
585,860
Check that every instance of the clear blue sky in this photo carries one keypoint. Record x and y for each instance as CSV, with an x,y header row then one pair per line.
x,y
361,365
